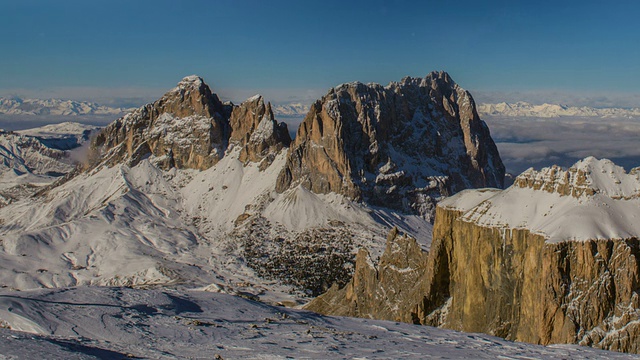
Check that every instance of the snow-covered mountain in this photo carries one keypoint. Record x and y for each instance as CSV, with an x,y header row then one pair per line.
x,y
190,196
525,109
17,106
551,259
63,136
118,323
295,109
184,192
34,158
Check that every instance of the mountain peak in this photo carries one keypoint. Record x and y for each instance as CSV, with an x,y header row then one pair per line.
x,y
426,129
191,79
189,127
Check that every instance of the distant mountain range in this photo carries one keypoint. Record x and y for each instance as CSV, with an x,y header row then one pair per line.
x,y
526,109
294,109
44,107
18,106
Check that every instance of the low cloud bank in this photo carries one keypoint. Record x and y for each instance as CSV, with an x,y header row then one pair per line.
x,y
538,142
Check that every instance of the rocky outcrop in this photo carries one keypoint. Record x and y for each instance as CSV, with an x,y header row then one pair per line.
x,y
387,290
254,128
523,283
189,127
513,284
402,146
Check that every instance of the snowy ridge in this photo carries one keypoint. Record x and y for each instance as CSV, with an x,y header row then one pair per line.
x,y
115,323
525,109
594,199
17,106
588,177
295,109
62,136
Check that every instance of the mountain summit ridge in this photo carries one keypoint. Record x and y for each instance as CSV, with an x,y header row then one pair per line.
x,y
188,127
405,145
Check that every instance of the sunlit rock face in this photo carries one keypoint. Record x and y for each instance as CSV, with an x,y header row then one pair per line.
x,y
552,259
403,146
189,127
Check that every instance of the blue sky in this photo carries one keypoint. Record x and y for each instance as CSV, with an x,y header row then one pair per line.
x,y
296,50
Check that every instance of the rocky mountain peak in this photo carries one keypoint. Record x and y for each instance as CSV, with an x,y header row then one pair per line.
x,y
189,127
191,97
254,128
587,177
427,128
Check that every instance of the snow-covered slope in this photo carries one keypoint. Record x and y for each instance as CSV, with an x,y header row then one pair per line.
x,y
17,106
525,109
112,323
62,136
594,199
145,226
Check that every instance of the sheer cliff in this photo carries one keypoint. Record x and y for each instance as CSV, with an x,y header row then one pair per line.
x,y
403,146
552,259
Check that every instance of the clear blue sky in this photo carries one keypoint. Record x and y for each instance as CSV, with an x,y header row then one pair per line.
x,y
296,46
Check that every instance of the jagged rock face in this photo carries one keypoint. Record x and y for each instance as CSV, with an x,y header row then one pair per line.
x,y
189,127
514,284
386,291
519,277
254,128
401,146
507,283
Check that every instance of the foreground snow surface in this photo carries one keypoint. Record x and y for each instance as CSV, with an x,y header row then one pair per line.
x,y
112,323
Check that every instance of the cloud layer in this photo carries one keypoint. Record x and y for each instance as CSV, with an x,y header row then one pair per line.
x,y
536,142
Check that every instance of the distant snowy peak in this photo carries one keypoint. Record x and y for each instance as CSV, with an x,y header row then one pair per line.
x,y
294,109
593,199
586,177
525,109
17,106
62,136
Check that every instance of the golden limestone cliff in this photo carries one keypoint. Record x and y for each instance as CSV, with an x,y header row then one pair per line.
x,y
403,146
503,278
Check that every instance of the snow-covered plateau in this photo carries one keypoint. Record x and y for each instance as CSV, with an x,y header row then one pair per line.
x,y
594,199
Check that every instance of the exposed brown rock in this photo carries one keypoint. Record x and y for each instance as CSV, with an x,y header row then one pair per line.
x,y
189,127
504,282
385,291
426,130
254,128
513,284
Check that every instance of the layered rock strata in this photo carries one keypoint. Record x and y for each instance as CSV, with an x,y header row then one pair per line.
x,y
189,127
403,146
488,272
